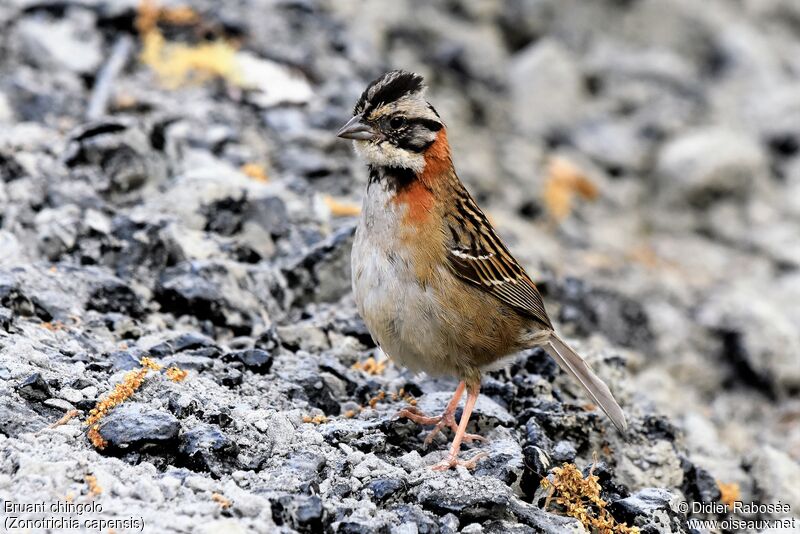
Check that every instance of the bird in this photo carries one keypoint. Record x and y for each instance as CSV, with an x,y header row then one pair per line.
x,y
437,288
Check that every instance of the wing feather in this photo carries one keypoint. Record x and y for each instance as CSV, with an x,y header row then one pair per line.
x,y
478,256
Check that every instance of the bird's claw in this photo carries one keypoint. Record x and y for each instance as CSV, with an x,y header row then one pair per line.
x,y
453,461
445,420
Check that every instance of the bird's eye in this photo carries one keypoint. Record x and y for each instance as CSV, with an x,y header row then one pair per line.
x,y
397,122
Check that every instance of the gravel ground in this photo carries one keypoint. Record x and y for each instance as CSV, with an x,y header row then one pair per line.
x,y
641,158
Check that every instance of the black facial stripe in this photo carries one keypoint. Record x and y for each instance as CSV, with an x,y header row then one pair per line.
x,y
413,143
430,124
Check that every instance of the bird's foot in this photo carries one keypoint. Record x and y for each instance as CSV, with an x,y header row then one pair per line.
x,y
447,419
453,461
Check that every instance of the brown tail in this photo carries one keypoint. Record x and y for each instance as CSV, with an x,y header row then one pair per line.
x,y
572,363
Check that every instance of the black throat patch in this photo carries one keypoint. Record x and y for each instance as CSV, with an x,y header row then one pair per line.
x,y
395,178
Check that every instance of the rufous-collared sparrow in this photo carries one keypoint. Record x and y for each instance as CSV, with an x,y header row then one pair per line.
x,y
435,285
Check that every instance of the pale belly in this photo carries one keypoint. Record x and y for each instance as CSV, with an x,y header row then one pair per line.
x,y
400,314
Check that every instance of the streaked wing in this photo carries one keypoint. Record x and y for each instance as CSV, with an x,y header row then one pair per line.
x,y
479,257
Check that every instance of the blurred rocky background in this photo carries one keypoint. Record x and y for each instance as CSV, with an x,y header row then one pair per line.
x,y
171,188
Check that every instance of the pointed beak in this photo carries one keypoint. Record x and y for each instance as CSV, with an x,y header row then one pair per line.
x,y
356,129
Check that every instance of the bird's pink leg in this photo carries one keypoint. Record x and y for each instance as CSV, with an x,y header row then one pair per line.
x,y
446,419
452,458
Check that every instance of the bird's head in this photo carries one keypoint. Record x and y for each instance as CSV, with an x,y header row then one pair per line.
x,y
393,125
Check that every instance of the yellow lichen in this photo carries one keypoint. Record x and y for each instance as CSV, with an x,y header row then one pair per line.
x,y
564,181
94,487
729,493
177,63
341,208
255,171
579,497
371,366
377,398
316,420
220,499
176,374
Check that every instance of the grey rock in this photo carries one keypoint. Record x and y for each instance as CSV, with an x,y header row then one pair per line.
x,y
703,165
777,476
546,87
136,425
72,43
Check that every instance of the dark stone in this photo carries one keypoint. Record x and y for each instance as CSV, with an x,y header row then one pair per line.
x,y
232,378
115,296
409,513
80,383
537,362
34,388
384,488
327,260
182,405
609,489
10,170
187,293
621,319
537,465
469,506
658,427
126,360
224,216
642,505
318,393
13,298
301,512
188,341
6,319
257,360
16,417
357,527
206,448
268,340
505,527
698,484
743,371
135,426
355,327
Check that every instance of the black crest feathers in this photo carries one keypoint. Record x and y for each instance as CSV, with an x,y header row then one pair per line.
x,y
388,88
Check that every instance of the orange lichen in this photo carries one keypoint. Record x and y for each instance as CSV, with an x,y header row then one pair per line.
x,y
176,374
65,418
223,501
316,420
94,487
564,181
131,382
377,398
579,497
729,492
340,208
179,63
255,171
371,366
54,326
95,438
